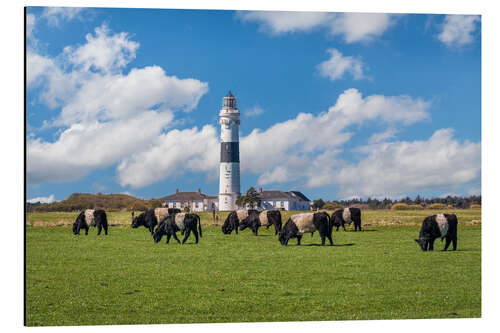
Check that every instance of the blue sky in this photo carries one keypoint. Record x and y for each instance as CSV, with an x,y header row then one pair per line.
x,y
334,105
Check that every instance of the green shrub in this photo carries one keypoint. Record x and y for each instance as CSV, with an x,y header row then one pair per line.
x,y
331,206
400,206
438,206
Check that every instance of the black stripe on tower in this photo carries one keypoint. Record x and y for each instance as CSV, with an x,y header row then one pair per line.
x,y
230,152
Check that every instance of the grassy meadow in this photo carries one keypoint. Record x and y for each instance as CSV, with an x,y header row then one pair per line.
x,y
124,278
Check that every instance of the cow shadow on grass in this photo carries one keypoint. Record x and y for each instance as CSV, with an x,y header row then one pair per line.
x,y
347,244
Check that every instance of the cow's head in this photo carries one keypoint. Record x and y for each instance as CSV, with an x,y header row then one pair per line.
x,y
245,223
159,232
228,227
283,237
137,220
422,242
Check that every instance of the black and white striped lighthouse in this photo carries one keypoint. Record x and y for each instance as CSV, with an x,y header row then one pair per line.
x,y
229,182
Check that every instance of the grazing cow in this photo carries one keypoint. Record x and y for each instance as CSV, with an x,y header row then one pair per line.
x,y
438,226
299,224
234,219
346,216
265,218
90,217
148,219
178,222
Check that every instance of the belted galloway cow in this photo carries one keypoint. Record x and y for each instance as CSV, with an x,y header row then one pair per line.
x,y
265,218
341,217
90,217
299,224
183,222
438,226
234,219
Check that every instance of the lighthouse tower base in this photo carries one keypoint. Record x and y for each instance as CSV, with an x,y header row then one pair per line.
x,y
227,201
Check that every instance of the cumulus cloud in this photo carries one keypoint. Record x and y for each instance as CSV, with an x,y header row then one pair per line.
x,y
338,65
56,15
294,143
395,168
458,30
172,154
361,27
353,27
103,51
106,115
84,147
48,199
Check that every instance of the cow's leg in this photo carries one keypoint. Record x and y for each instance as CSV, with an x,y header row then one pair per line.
x,y
236,229
299,237
195,232
77,229
99,229
105,229
329,236
343,226
168,237
337,228
431,244
448,242
454,240
322,238
188,232
255,230
175,237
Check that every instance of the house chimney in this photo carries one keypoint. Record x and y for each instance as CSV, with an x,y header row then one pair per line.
x,y
199,191
260,189
177,190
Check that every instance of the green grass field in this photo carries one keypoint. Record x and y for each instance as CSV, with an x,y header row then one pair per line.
x,y
124,278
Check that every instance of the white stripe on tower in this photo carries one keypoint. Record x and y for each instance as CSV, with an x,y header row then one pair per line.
x,y
229,181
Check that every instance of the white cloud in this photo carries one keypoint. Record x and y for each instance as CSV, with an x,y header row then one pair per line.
x,y
353,27
383,136
48,199
284,22
172,154
84,147
392,169
106,116
55,15
338,65
103,51
362,27
255,111
458,29
296,143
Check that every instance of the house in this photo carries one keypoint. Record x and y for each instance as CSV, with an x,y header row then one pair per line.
x,y
293,200
196,201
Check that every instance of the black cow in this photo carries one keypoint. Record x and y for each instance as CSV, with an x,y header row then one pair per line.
x,y
234,219
178,222
438,226
299,224
346,216
90,217
265,218
148,219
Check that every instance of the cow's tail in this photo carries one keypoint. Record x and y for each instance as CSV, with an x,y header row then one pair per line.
x,y
199,226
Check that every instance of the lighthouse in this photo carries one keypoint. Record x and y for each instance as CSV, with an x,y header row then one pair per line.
x,y
229,181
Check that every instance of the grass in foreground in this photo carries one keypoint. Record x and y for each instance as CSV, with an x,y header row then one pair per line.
x,y
125,278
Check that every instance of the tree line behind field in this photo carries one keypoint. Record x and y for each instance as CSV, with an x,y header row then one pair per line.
x,y
407,203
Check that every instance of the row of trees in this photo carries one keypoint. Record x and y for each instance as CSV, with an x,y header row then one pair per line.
x,y
454,201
